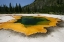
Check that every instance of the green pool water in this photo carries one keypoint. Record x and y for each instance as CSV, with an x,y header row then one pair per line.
x,y
30,20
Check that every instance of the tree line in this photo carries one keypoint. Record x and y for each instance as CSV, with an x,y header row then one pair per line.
x,y
26,9
11,9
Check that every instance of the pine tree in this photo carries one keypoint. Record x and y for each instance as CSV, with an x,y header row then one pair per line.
x,y
20,9
59,1
16,8
10,8
6,9
0,9
28,10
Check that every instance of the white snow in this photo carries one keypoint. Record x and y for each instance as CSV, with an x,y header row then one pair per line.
x,y
56,34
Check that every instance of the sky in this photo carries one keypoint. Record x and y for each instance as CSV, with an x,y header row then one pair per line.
x,y
22,2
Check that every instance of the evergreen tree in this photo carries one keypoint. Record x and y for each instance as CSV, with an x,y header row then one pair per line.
x,y
28,10
16,8
59,1
20,9
6,9
3,8
0,9
10,8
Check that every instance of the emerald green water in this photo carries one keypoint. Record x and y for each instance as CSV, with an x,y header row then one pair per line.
x,y
30,20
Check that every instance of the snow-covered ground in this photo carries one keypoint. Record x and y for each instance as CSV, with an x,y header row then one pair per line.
x,y
55,34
